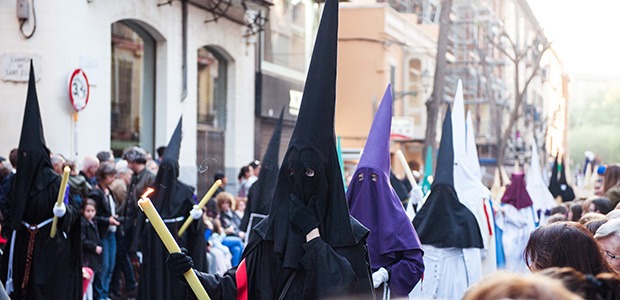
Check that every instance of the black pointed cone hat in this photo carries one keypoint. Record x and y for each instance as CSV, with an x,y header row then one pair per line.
x,y
313,146
566,191
554,184
271,156
315,122
174,145
32,127
443,221
34,168
261,192
170,193
444,169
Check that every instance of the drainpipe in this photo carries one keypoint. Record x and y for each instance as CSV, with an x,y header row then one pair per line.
x,y
184,49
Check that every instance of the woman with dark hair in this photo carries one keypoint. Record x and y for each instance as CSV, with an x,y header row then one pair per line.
x,y
611,184
600,205
107,221
244,183
575,211
565,244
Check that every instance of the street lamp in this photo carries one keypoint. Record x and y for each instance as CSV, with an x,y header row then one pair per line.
x,y
255,17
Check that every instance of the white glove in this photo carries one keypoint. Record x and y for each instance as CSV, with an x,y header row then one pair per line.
x,y
195,213
379,277
416,195
59,210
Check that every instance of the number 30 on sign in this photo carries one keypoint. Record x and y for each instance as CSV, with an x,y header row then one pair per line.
x,y
79,89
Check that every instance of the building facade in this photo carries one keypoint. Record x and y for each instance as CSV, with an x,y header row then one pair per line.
x,y
380,45
148,63
497,48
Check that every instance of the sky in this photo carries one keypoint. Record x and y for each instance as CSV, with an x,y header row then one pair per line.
x,y
583,33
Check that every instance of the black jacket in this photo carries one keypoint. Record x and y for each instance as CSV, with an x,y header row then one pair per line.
x,y
103,210
90,241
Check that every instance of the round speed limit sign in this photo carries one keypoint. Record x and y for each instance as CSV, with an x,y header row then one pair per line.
x,y
79,89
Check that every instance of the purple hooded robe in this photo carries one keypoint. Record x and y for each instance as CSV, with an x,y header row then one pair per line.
x,y
393,243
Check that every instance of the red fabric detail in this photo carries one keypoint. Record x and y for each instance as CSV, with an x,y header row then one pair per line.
x,y
242,281
86,278
422,282
486,214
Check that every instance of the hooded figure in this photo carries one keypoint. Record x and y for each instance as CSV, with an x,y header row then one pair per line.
x,y
566,191
472,193
173,200
261,192
478,190
393,245
554,184
518,223
37,266
473,162
542,200
309,247
446,227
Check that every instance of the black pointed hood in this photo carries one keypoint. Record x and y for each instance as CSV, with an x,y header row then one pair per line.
x,y
566,191
443,221
554,184
174,145
313,148
169,191
444,169
34,168
261,192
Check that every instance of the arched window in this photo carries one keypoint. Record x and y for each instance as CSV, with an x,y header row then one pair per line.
x,y
211,118
133,88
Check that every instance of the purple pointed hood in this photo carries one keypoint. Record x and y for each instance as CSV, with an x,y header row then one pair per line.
x,y
516,194
374,203
377,149
371,198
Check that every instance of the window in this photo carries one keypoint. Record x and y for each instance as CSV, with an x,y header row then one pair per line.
x,y
211,116
133,79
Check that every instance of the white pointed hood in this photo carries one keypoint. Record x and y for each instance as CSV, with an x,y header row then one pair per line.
x,y
470,190
536,187
473,162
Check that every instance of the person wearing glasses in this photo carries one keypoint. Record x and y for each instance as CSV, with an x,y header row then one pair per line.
x,y
608,236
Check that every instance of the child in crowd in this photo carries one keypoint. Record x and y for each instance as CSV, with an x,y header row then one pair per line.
x,y
91,243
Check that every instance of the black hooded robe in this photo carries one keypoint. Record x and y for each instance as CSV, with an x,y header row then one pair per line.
x,y
278,258
173,200
56,270
326,271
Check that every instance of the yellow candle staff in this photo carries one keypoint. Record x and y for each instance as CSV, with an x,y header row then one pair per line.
x,y
61,196
164,234
201,204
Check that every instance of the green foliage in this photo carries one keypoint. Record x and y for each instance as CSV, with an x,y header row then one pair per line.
x,y
595,125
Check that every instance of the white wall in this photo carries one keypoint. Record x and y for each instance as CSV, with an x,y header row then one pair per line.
x,y
69,31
